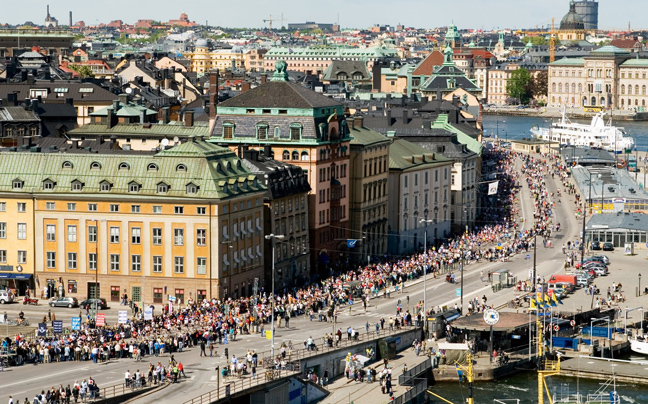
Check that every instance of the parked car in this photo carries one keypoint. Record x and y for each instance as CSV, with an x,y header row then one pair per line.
x,y
600,271
603,258
6,296
101,303
596,245
583,280
64,302
608,247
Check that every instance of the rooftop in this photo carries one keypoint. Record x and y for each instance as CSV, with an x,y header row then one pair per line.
x,y
612,183
618,220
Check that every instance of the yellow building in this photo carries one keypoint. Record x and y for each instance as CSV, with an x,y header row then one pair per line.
x,y
202,59
186,222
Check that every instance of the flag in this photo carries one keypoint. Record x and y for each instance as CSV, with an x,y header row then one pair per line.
x,y
492,188
290,50
556,299
546,302
351,243
552,302
533,305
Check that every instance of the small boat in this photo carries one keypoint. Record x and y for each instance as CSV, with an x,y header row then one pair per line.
x,y
639,344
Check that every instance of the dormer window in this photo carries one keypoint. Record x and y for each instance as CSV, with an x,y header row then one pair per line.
x,y
134,187
76,185
181,167
228,130
152,167
49,184
95,165
68,165
162,188
262,131
124,166
105,186
17,184
192,188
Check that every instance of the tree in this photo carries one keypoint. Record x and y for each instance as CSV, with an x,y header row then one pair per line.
x,y
518,85
84,71
535,40
540,84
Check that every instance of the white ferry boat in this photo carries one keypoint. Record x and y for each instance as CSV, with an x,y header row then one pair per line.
x,y
597,134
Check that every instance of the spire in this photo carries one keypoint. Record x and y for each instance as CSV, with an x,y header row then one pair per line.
x,y
48,14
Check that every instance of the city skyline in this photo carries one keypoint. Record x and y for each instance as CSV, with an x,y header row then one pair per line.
x,y
362,14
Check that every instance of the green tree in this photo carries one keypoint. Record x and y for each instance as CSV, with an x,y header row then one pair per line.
x,y
536,40
84,71
518,85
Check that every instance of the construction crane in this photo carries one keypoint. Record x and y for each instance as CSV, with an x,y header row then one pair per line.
x,y
552,38
270,20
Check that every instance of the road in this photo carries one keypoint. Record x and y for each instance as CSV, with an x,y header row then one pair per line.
x,y
26,380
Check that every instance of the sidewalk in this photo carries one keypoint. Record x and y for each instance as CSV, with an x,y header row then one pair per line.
x,y
344,390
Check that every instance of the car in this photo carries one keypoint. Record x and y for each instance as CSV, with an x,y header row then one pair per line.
x,y
608,247
600,271
6,296
583,281
602,257
594,265
596,245
64,302
101,303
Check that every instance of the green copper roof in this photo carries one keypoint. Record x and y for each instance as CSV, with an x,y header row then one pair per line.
x,y
610,49
124,110
569,62
366,137
154,130
635,63
404,156
442,122
216,172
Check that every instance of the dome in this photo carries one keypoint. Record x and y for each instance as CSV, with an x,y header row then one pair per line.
x,y
572,20
201,43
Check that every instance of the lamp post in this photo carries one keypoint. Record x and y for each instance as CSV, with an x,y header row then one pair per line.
x,y
639,292
426,221
602,191
274,238
585,216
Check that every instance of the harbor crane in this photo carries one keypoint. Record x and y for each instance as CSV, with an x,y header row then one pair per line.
x,y
270,20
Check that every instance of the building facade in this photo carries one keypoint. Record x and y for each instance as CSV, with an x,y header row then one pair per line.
x,y
307,129
369,181
146,225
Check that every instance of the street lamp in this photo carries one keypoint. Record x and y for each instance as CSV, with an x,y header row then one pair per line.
x,y
639,294
602,191
589,199
274,238
426,221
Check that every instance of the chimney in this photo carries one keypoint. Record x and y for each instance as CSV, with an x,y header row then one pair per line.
x,y
167,79
267,152
358,122
123,98
405,117
245,86
439,96
166,116
34,106
264,78
12,98
142,115
71,18
213,97
110,118
251,154
115,106
189,118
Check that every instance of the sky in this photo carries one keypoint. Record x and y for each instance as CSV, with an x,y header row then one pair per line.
x,y
477,14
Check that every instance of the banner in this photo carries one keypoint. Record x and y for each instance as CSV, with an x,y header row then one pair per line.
x,y
101,320
148,313
268,334
492,188
42,329
57,325
351,243
76,323
122,317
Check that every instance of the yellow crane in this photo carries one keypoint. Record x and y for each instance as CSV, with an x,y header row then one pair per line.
x,y
270,20
552,38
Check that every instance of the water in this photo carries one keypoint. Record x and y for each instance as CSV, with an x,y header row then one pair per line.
x,y
518,127
523,386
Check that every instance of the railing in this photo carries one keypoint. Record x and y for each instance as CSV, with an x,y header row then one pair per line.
x,y
419,387
232,385
406,378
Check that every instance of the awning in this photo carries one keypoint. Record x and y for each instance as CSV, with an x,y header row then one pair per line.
x,y
23,277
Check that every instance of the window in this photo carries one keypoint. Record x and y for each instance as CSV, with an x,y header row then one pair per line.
x,y
157,263
295,132
95,166
48,184
17,184
72,234
92,207
295,155
286,155
228,130
114,262
71,207
157,209
152,167
51,259
192,188
76,186
105,186
201,266
50,232
3,206
3,256
304,156
134,187
114,235
157,236
162,188
114,207
178,210
178,265
157,295
136,263
72,260
262,132
92,234
201,210
124,166
178,236
22,207
181,167
201,237
22,231
22,256
92,261
135,208
50,205
136,235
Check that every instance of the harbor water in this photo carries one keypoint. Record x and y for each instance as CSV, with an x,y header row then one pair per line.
x,y
518,127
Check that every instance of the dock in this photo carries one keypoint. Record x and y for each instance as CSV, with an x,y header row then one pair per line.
x,y
635,372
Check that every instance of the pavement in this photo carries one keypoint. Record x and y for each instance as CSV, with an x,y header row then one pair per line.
x,y
25,380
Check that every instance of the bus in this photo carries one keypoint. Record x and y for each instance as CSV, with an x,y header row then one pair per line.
x,y
593,108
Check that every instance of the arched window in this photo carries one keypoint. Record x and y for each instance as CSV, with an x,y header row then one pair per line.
x,y
637,89
643,90
593,100
304,156
295,155
95,165
622,102
636,102
181,167
560,87
553,87
262,131
629,90
286,155
68,165
124,166
277,132
573,87
622,88
152,167
643,103
603,101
